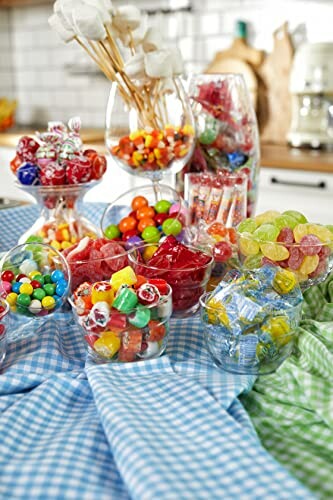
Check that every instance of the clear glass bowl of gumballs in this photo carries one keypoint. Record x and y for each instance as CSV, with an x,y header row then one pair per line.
x,y
187,270
145,215
4,315
95,259
289,241
250,320
124,319
35,279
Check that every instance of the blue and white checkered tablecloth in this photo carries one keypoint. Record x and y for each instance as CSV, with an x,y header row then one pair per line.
x,y
169,428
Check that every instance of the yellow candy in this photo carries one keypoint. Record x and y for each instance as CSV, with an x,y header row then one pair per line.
x,y
148,141
33,274
300,230
65,244
65,235
284,281
278,327
137,158
274,251
300,276
102,292
216,313
309,264
11,298
248,246
188,130
266,217
48,302
322,232
157,153
26,288
125,276
64,225
149,252
55,244
107,345
138,133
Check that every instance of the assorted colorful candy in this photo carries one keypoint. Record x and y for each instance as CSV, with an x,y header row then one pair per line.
x,y
147,224
150,149
187,270
250,319
57,157
126,318
226,133
287,240
94,260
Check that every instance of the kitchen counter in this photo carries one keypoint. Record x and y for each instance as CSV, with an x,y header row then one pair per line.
x,y
272,156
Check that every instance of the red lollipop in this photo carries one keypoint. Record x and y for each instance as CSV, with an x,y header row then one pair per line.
x,y
78,170
27,148
99,163
52,174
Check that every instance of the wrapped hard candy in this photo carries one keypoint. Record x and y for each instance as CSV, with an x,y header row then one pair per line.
x,y
98,317
99,163
52,174
27,148
78,170
28,174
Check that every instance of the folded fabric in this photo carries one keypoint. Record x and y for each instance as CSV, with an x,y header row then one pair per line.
x,y
292,409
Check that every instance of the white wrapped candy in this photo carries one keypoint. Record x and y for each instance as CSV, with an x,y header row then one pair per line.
x,y
135,66
56,24
100,6
88,23
135,37
152,40
74,124
57,9
177,61
167,86
158,64
66,8
126,17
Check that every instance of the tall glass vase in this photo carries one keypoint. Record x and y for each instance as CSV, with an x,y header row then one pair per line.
x,y
226,128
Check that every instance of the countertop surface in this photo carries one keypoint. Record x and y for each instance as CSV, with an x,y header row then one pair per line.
x,y
272,156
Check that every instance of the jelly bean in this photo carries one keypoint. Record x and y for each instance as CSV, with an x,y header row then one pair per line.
x,y
139,202
35,306
26,288
151,234
7,276
107,345
309,264
284,281
266,232
48,302
172,227
112,231
23,299
274,251
124,276
102,291
247,245
286,235
300,218
162,207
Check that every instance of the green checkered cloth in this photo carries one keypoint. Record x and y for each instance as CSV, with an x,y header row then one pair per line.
x,y
292,409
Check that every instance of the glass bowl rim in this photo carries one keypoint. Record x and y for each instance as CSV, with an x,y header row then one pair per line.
x,y
295,244
58,188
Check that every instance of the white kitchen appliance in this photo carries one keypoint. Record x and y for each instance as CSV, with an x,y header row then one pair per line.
x,y
311,87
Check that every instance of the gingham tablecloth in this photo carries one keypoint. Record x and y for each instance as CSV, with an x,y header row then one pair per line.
x,y
169,428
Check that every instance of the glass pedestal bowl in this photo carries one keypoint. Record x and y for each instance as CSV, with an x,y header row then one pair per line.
x,y
4,310
60,223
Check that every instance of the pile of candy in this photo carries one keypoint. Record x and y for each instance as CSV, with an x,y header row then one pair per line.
x,y
288,240
126,318
34,293
94,260
57,157
187,270
148,149
147,224
250,319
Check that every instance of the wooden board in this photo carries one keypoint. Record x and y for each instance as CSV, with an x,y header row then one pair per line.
x,y
274,107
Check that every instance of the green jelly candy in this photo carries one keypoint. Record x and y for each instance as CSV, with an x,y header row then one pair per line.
x,y
172,226
300,218
151,234
38,294
253,261
23,299
126,301
141,317
47,278
112,231
266,217
247,226
285,221
208,136
34,239
49,289
266,232
162,206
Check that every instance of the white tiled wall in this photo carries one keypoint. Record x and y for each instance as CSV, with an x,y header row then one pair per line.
x,y
35,65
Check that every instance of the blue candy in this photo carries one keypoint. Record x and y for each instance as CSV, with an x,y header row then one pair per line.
x,y
16,287
27,174
61,287
57,275
237,159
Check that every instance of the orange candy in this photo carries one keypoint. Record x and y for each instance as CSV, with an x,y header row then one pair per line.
x,y
139,202
145,212
127,224
145,222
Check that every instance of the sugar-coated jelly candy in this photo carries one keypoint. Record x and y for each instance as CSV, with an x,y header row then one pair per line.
x,y
248,246
309,264
266,232
286,235
266,217
298,216
274,251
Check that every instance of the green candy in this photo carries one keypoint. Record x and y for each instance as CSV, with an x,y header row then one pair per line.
x,y
266,232
47,278
300,218
34,239
39,278
49,289
141,316
112,231
126,301
151,234
285,221
162,206
330,227
247,226
208,136
23,299
172,226
38,294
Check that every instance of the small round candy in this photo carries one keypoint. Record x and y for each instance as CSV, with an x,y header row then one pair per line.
x,y
127,223
26,288
160,218
35,307
36,284
49,289
11,298
48,302
57,275
139,202
129,234
208,136
38,294
151,234
25,280
145,212
61,288
47,279
172,226
33,274
162,206
145,222
149,252
7,276
40,278
112,231
20,276
24,299
6,286
222,251
16,287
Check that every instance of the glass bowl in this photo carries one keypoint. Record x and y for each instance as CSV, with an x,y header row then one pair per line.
x,y
35,279
134,213
258,351
309,261
187,284
4,310
119,338
95,260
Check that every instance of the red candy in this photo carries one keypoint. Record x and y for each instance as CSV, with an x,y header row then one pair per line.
x,y
286,235
15,164
148,294
98,163
310,245
295,258
52,174
156,331
7,276
78,170
222,251
26,149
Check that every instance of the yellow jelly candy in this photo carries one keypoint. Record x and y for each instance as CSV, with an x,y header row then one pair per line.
x,y
266,217
274,251
322,232
248,246
309,264
300,230
149,252
300,276
107,345
125,276
279,328
11,298
216,313
102,292
48,302
284,281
